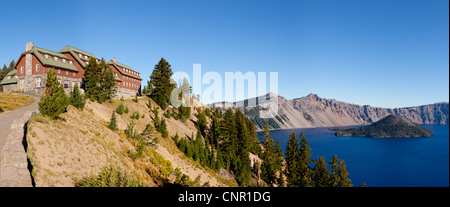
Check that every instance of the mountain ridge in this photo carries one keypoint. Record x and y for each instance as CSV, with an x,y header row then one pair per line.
x,y
313,111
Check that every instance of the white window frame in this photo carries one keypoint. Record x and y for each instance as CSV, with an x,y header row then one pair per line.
x,y
37,67
21,69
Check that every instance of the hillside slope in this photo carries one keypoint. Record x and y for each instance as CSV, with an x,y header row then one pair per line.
x,y
314,111
390,126
63,153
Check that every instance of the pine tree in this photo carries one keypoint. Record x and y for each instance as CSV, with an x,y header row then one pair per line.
x,y
113,121
344,181
160,82
120,109
76,99
91,80
268,167
292,161
99,81
334,172
54,100
305,174
321,175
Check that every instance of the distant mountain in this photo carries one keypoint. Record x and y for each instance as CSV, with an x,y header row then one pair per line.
x,y
314,111
390,126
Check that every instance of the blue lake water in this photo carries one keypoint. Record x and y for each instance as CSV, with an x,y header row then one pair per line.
x,y
390,162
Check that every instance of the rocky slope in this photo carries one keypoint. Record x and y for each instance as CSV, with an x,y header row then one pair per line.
x,y
314,111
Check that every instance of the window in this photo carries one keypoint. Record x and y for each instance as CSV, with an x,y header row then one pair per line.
x,y
21,69
66,84
59,70
85,57
80,55
64,60
70,62
67,72
73,73
56,58
37,67
46,56
38,83
22,81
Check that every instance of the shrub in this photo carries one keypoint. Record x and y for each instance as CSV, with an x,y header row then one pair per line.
x,y
110,176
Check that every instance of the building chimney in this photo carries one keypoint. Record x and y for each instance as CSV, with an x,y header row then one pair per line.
x,y
28,46
114,59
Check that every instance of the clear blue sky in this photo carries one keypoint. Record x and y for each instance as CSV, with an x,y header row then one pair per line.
x,y
386,53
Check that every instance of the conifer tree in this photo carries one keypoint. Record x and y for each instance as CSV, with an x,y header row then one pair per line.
x,y
334,172
54,100
76,99
99,81
321,176
344,181
268,167
305,173
161,84
292,161
113,121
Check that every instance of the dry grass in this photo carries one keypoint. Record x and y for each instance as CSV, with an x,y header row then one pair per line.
x,y
64,152
12,101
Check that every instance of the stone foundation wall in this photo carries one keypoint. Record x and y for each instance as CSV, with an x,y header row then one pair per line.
x,y
30,83
125,93
10,88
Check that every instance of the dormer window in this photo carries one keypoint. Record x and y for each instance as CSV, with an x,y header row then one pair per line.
x,y
64,60
85,57
56,58
46,56
70,62
81,56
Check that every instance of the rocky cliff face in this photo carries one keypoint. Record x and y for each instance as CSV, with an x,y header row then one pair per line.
x,y
314,111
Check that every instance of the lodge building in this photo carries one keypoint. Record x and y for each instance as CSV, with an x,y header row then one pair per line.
x,y
30,72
